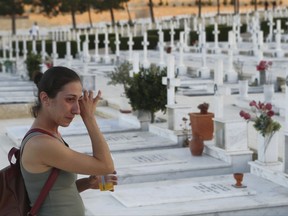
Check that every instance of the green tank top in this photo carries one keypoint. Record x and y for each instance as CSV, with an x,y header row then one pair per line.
x,y
62,199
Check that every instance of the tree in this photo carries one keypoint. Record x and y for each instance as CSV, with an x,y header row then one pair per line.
x,y
151,11
255,5
12,8
129,15
199,8
55,7
218,7
110,5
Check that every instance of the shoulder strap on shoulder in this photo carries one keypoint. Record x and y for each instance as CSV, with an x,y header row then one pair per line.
x,y
33,132
52,177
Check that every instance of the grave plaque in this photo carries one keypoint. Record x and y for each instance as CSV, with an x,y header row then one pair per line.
x,y
185,190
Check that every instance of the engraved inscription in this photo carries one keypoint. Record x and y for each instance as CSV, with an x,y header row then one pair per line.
x,y
124,138
150,158
212,188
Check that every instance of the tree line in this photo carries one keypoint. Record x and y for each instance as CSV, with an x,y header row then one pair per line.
x,y
51,8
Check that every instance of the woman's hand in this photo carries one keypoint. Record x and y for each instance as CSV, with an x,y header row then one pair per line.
x,y
88,104
94,180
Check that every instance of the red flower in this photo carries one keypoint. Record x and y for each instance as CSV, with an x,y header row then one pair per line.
x,y
245,115
263,65
270,113
253,103
268,106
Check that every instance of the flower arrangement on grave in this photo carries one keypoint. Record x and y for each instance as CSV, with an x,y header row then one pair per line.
x,y
48,62
262,67
261,115
33,62
238,66
203,108
186,131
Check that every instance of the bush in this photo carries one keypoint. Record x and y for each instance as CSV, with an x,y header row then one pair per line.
x,y
144,90
222,36
33,62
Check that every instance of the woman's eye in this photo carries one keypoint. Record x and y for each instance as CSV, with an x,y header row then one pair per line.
x,y
70,99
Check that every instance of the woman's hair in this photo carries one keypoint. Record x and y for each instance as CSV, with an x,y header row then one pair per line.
x,y
52,81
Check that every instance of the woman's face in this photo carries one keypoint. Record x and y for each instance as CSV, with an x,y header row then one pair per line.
x,y
63,108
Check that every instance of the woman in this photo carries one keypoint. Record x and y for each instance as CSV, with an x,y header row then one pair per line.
x,y
60,98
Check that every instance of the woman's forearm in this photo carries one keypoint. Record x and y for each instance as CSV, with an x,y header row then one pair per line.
x,y
82,184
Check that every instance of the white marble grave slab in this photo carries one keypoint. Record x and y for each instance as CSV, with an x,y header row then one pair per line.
x,y
19,99
16,133
185,190
261,197
14,88
162,164
122,141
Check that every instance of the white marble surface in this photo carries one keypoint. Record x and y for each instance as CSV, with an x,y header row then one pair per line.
x,y
122,141
77,127
163,164
261,197
147,194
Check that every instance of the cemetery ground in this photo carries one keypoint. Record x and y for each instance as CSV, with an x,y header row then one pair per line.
x,y
163,180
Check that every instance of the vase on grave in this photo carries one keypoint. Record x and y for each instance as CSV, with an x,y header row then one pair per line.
x,y
268,90
243,88
262,77
267,148
202,126
168,49
124,104
144,118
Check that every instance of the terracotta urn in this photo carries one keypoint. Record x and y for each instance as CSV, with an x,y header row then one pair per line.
x,y
202,126
239,178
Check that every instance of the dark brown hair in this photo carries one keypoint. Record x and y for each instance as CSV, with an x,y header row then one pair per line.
x,y
52,81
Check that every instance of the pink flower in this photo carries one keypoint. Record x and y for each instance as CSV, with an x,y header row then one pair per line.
x,y
263,65
245,115
253,103
262,117
268,106
270,113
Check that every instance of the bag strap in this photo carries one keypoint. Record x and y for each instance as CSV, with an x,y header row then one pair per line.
x,y
13,152
50,181
44,192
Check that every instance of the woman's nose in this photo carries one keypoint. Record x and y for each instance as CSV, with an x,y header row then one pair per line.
x,y
76,108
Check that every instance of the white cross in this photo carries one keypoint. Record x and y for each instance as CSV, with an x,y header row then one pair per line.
x,y
96,42
106,42
161,45
130,44
145,44
25,48
216,32
170,81
172,33
117,43
181,47
135,65
278,33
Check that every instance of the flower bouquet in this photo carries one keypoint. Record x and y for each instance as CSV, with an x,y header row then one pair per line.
x,y
262,67
262,114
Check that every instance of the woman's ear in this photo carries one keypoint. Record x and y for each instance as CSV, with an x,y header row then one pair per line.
x,y
44,98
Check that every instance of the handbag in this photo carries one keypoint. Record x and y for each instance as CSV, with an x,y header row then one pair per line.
x,y
14,200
